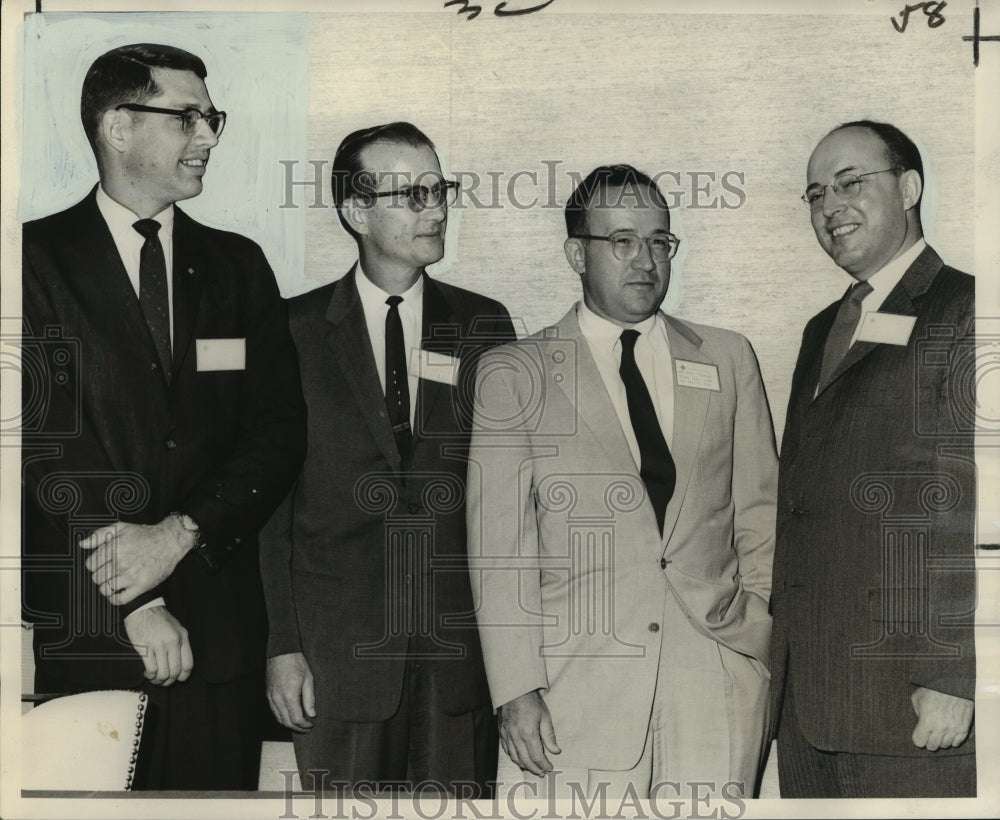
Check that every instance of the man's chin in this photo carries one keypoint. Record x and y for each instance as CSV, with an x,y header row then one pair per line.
x,y
431,259
190,190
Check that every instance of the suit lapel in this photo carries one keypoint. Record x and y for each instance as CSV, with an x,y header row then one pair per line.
x,y
103,288
439,333
348,340
690,409
900,301
595,410
188,282
589,397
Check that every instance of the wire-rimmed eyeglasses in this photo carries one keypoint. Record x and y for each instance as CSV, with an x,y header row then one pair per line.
x,y
847,186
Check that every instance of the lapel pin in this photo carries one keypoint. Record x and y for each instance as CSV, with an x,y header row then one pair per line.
x,y
190,270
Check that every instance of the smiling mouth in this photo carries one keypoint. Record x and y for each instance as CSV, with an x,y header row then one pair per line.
x,y
844,230
194,163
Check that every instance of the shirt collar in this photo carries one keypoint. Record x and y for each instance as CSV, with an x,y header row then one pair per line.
x,y
598,330
373,297
884,280
120,219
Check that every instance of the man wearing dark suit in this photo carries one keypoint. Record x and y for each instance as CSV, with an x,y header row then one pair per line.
x,y
373,655
873,657
167,425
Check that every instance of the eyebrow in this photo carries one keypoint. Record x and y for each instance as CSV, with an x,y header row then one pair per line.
x,y
184,106
655,232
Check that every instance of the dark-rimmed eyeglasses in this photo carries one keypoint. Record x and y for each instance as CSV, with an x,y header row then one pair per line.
x,y
846,187
419,197
626,246
189,117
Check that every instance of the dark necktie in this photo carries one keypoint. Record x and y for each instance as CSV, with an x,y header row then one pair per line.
x,y
397,391
656,466
838,341
153,290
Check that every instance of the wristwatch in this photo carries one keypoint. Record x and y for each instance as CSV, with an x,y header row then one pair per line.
x,y
189,525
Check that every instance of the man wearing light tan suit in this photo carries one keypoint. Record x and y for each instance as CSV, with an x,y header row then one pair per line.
x,y
621,527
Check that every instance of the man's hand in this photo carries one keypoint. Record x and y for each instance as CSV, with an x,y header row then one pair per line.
x,y
290,691
162,643
130,559
943,721
526,733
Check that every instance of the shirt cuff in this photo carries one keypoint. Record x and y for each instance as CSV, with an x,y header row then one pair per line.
x,y
149,605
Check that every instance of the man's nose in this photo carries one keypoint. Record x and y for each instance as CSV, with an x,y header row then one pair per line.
x,y
644,259
832,201
436,213
204,135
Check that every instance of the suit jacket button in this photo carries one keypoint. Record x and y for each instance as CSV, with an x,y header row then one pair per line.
x,y
171,444
663,563
654,627
154,367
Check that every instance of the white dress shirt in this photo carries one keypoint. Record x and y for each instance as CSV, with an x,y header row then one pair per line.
x,y
411,311
129,242
884,280
652,356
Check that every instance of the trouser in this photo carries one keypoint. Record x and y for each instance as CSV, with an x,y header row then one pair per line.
x,y
705,729
420,745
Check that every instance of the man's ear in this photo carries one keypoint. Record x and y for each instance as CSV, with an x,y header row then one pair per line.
x,y
114,129
356,210
574,249
912,188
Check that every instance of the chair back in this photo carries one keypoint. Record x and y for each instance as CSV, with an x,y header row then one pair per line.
x,y
84,742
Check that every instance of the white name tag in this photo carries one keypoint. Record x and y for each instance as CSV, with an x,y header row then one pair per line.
x,y
697,374
221,354
886,328
435,367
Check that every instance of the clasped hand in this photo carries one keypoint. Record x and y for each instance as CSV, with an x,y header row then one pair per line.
x,y
130,559
162,643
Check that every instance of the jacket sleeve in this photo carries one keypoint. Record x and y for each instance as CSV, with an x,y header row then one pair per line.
x,y
276,573
503,536
755,477
950,665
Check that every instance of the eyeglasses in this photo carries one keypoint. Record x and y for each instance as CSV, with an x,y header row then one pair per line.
x,y
419,197
847,187
625,246
189,117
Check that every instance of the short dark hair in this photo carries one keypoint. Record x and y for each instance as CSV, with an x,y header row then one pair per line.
x,y
900,150
125,75
597,182
349,176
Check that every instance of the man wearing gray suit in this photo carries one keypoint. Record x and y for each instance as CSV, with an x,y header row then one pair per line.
x,y
621,527
874,580
373,656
